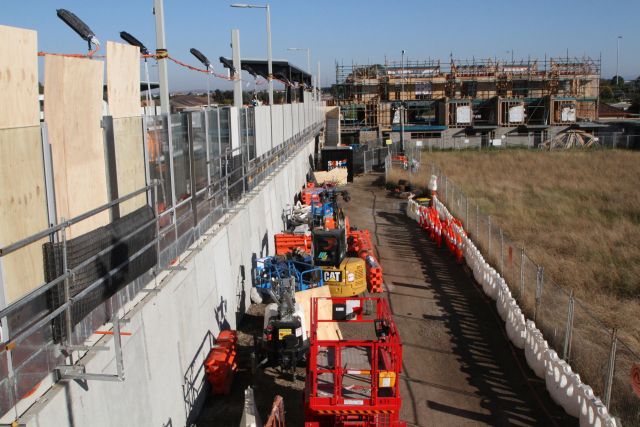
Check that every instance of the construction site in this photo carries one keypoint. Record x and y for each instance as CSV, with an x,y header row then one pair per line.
x,y
434,99
235,265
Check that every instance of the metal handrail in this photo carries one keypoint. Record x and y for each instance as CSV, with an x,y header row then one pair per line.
x,y
46,286
55,228
274,157
22,335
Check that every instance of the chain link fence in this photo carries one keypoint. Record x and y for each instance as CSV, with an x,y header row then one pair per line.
x,y
596,352
516,140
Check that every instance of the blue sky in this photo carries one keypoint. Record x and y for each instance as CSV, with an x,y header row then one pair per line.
x,y
350,30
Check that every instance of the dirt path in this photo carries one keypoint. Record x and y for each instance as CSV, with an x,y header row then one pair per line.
x,y
459,368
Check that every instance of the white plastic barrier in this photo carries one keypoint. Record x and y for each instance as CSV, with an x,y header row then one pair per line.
x,y
288,121
278,125
295,119
564,386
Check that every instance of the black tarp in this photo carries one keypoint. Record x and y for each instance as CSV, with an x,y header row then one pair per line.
x,y
90,244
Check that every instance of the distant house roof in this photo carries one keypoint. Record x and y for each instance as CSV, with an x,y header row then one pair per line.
x,y
609,111
187,102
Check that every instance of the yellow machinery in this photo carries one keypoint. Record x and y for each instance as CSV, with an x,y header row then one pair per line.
x,y
345,276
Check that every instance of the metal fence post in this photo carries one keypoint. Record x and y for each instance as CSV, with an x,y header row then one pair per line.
x,y
539,283
611,368
568,333
502,253
156,213
466,217
522,273
446,189
489,250
67,286
477,222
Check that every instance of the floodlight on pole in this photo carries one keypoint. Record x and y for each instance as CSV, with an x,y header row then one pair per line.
x,y
205,61
77,25
134,42
269,59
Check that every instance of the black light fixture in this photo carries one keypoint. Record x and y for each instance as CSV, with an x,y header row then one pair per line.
x,y
205,61
78,26
134,42
228,64
200,56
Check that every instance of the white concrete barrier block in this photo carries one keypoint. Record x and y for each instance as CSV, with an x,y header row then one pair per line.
x,y
534,350
595,414
552,376
571,399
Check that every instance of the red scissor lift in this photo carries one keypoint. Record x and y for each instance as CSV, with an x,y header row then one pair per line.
x,y
353,382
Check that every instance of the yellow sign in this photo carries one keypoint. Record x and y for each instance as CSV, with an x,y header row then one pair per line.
x,y
389,142
283,333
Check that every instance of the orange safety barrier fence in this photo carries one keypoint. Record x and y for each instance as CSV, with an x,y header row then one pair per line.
x,y
220,365
289,242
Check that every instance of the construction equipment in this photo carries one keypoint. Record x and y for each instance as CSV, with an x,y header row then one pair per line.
x,y
344,254
353,380
284,340
345,275
270,271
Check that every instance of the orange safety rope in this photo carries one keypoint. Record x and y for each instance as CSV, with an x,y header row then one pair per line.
x,y
90,54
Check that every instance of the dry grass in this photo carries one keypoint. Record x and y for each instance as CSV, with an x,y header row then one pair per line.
x,y
577,212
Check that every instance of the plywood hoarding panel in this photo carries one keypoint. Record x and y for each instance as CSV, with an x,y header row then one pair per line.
x,y
123,80
130,168
123,91
23,210
73,111
18,78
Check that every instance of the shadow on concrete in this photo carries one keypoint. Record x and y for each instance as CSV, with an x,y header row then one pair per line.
x,y
195,387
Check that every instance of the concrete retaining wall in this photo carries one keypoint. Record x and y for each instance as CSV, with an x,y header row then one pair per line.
x,y
171,330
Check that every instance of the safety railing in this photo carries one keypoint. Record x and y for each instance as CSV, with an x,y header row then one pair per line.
x,y
196,175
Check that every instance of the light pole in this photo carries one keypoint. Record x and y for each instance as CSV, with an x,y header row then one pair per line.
x,y
402,105
269,60
161,57
205,61
618,60
300,49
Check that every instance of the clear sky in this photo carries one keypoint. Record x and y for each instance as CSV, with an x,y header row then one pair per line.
x,y
350,30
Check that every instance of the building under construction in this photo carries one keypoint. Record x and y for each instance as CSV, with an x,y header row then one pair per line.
x,y
467,97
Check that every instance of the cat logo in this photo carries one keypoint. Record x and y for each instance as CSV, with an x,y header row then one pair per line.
x,y
332,276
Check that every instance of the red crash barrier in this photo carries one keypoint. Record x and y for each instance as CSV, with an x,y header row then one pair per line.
x,y
220,365
450,230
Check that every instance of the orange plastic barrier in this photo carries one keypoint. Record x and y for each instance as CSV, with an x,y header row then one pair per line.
x,y
288,242
360,242
451,231
429,220
220,365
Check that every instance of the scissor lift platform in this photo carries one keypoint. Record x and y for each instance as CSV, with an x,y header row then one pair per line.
x,y
354,379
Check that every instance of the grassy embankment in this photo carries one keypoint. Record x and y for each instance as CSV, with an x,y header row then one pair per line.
x,y
577,212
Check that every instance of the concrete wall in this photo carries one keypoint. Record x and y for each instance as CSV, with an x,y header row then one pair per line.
x,y
171,330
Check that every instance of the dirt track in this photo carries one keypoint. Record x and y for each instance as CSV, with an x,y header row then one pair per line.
x,y
459,368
